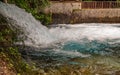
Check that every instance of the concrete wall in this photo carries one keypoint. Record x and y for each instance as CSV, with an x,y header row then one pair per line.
x,y
63,7
99,13
71,12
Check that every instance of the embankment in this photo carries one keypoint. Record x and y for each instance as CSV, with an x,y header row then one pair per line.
x,y
71,12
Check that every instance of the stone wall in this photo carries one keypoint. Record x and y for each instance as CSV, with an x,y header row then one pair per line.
x,y
99,13
63,7
71,12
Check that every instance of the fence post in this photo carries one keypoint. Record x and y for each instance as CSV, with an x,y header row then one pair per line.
x,y
95,4
102,4
109,4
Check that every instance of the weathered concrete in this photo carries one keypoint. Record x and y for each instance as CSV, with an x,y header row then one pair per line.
x,y
71,12
63,7
99,13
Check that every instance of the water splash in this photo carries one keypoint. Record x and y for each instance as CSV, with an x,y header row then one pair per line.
x,y
36,33
91,31
85,44
85,38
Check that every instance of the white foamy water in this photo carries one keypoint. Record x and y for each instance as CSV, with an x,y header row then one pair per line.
x,y
37,34
91,31
72,40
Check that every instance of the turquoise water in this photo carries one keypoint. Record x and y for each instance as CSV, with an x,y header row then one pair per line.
x,y
93,47
92,44
78,53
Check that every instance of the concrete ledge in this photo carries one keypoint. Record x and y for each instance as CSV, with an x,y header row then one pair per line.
x,y
76,18
62,7
71,12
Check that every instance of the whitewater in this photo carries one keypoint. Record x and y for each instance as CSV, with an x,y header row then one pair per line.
x,y
71,39
37,34
59,43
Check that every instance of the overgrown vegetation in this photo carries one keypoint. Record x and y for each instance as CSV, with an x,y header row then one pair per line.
x,y
36,8
9,52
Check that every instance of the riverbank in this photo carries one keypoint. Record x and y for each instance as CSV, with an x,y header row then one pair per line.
x,y
87,16
76,18
72,12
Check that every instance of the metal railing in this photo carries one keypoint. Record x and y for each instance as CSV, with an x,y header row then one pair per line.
x,y
99,4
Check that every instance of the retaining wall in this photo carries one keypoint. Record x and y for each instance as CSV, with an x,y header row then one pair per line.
x,y
71,12
63,7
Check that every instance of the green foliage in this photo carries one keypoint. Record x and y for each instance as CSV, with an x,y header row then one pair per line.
x,y
15,62
34,7
44,18
9,52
